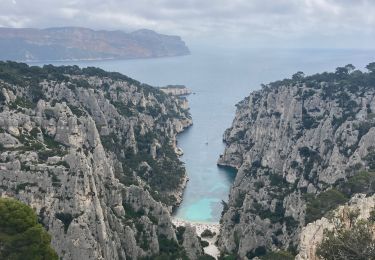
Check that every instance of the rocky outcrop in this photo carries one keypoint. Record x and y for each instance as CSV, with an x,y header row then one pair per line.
x,y
74,43
312,235
192,242
91,151
291,141
176,90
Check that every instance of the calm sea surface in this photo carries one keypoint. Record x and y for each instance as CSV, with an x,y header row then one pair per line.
x,y
221,78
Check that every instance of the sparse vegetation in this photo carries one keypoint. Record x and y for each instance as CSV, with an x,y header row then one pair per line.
x,y
321,204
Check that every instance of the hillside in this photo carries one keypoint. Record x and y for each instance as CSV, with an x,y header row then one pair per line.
x,y
302,146
94,154
75,43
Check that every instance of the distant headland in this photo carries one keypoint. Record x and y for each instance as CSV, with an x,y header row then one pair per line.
x,y
76,43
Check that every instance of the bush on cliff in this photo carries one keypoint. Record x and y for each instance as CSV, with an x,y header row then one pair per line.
x,y
321,204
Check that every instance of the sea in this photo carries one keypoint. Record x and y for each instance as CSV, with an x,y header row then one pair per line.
x,y
219,78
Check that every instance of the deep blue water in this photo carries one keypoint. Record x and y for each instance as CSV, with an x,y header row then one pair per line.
x,y
220,78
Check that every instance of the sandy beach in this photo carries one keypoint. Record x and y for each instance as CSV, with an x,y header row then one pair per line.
x,y
199,228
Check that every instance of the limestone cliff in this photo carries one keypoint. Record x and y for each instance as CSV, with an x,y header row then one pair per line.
x,y
93,153
291,141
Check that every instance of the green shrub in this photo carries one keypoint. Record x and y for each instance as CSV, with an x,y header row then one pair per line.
x,y
21,102
259,251
236,218
56,182
51,143
204,243
34,132
276,179
363,182
317,207
370,158
123,109
130,213
170,248
275,216
258,185
22,186
208,233
36,92
21,236
180,234
66,219
64,164
308,121
2,97
77,111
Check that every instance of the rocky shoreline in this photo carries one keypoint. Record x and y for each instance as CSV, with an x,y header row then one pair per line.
x,y
178,194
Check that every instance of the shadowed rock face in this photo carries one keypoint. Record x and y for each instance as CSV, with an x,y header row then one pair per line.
x,y
289,141
74,43
91,151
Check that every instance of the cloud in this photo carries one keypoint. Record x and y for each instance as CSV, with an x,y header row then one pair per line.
x,y
284,23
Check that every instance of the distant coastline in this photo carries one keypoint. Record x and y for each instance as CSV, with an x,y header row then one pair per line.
x,y
99,59
84,44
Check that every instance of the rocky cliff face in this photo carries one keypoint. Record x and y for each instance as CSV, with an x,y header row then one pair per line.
x,y
74,43
93,153
291,141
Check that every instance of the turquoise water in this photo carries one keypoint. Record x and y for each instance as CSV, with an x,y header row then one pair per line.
x,y
221,78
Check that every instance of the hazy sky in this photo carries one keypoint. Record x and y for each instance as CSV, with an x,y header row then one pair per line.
x,y
268,23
